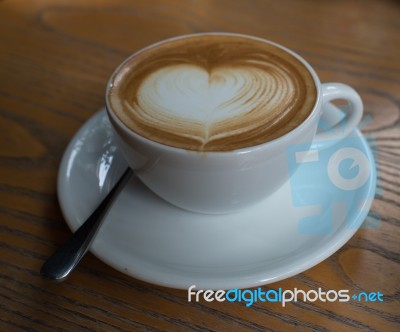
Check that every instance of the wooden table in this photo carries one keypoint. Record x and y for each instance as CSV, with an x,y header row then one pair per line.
x,y
55,59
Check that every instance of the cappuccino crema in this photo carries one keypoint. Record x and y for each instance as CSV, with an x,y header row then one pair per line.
x,y
212,92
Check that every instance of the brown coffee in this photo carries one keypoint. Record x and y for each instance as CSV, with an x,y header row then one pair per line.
x,y
212,92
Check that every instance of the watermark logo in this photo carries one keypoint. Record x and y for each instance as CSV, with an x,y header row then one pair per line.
x,y
251,296
342,168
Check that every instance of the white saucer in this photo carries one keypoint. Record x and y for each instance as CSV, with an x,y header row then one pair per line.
x,y
149,239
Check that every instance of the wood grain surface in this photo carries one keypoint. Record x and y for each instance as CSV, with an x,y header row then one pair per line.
x,y
55,59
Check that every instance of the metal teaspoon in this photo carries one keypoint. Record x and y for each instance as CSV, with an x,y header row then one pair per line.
x,y
64,260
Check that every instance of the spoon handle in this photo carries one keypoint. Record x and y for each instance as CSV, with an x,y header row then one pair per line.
x,y
58,266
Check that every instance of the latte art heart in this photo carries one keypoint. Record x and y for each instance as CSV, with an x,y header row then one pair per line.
x,y
212,93
216,104
191,93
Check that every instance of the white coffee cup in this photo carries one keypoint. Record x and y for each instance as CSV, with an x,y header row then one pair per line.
x,y
227,181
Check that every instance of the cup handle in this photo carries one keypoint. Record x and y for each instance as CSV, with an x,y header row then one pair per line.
x,y
353,113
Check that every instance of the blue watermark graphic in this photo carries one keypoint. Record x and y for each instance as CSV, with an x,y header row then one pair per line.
x,y
333,178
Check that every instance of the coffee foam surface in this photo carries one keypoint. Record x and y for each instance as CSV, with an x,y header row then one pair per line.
x,y
212,93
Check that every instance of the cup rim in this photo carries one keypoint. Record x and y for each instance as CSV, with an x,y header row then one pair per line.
x,y
269,144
